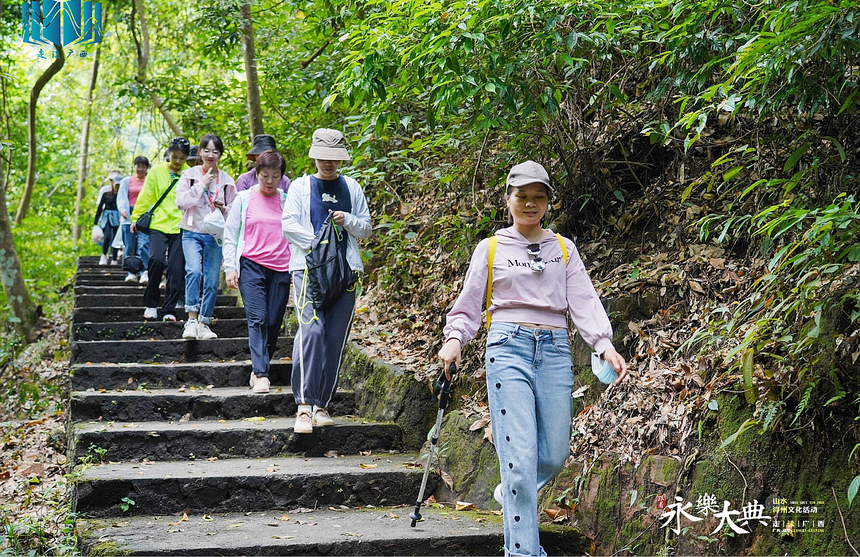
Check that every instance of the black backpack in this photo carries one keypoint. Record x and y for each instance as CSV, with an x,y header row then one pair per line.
x,y
328,274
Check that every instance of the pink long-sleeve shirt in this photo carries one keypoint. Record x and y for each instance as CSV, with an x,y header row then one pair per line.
x,y
521,295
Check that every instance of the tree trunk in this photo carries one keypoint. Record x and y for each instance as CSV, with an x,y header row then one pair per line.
x,y
249,53
25,313
85,141
143,62
31,125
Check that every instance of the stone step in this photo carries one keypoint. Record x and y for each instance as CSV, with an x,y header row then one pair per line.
x,y
368,531
116,314
204,439
126,300
123,288
136,375
249,485
174,350
226,403
135,330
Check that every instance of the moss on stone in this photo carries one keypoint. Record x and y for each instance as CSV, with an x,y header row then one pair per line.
x,y
388,393
469,459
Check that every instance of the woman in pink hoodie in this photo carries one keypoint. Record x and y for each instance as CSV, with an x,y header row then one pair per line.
x,y
537,280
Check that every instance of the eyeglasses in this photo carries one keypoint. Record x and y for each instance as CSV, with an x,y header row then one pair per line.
x,y
215,152
536,264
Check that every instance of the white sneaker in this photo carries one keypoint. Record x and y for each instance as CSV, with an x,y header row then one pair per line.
x,y
114,262
168,317
204,332
498,496
190,329
150,313
162,284
261,385
321,417
144,277
130,277
103,259
303,419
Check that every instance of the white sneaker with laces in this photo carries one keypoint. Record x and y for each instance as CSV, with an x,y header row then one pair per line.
x,y
204,332
190,329
130,277
144,277
321,417
168,317
150,313
303,419
103,259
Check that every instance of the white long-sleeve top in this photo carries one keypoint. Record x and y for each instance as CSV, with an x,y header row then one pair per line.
x,y
298,229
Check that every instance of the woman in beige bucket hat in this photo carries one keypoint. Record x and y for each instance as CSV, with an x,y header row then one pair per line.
x,y
322,333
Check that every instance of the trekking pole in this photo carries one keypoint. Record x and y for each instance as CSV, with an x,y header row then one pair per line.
x,y
443,391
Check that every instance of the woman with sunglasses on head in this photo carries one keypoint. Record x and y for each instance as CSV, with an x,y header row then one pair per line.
x,y
537,279
202,190
165,236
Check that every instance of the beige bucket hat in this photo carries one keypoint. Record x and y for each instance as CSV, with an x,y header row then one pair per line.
x,y
328,145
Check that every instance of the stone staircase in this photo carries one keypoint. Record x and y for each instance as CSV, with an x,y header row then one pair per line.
x,y
178,457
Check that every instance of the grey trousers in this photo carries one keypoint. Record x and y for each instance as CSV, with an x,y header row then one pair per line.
x,y
319,345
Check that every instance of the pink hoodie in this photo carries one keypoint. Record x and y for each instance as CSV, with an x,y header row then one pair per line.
x,y
521,295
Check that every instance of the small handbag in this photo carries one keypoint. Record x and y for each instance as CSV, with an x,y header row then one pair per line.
x,y
145,220
132,263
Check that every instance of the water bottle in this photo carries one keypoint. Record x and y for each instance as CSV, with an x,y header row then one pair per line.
x,y
602,369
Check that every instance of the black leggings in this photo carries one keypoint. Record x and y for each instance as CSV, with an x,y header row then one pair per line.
x,y
110,234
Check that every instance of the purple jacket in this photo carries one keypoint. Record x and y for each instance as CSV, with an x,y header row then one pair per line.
x,y
249,179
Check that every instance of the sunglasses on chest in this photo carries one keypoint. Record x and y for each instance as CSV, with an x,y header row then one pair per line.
x,y
536,264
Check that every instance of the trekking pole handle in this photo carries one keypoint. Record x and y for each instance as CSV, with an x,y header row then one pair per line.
x,y
444,387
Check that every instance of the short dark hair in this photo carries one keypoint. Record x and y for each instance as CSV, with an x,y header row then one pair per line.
x,y
270,159
141,160
204,141
179,144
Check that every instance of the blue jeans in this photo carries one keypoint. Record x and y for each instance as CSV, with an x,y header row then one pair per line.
x,y
142,244
529,382
202,263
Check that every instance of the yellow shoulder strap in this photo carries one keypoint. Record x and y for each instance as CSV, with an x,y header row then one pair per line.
x,y
491,255
563,247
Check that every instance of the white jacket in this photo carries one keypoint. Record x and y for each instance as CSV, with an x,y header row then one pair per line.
x,y
298,229
234,228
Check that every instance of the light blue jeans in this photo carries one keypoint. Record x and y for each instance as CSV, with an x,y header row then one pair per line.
x,y
529,382
202,263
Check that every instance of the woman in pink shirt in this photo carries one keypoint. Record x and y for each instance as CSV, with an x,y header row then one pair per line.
x,y
257,262
537,278
129,189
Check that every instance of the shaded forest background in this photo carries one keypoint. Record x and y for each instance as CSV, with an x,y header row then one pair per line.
x,y
706,155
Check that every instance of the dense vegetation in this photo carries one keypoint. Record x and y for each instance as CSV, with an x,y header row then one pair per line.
x,y
735,125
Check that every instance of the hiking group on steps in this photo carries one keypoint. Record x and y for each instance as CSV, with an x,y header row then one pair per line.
x,y
261,228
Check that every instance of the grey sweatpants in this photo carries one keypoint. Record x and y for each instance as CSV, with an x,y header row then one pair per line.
x,y
319,344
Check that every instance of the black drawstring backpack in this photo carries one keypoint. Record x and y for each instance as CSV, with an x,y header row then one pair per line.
x,y
328,274
132,263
